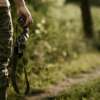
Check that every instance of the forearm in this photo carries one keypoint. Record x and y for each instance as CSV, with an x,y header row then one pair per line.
x,y
19,3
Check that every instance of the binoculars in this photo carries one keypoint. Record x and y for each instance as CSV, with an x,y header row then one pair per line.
x,y
22,38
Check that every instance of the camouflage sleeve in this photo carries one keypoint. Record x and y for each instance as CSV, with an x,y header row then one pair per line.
x,y
6,41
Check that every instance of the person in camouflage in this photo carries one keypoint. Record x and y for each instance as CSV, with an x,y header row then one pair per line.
x,y
6,39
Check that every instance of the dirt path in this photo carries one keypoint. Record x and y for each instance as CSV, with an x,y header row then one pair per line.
x,y
54,90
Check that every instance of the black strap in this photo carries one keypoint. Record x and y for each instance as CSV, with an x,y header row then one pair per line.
x,y
18,51
15,85
15,59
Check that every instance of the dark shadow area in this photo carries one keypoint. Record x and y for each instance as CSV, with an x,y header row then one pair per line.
x,y
51,98
36,92
16,97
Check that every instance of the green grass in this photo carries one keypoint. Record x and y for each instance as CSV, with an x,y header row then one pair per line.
x,y
87,91
58,49
53,73
63,51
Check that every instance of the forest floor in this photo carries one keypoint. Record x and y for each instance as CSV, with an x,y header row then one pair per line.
x,y
58,88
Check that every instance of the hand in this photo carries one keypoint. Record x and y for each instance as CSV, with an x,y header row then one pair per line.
x,y
24,12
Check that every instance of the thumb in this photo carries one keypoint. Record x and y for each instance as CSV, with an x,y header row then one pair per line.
x,y
28,21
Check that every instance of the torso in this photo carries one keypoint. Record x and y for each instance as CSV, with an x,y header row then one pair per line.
x,y
4,3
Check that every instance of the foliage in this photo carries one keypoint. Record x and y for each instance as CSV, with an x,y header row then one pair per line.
x,y
87,91
56,39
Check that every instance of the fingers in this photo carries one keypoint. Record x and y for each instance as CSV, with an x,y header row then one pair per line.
x,y
28,21
24,12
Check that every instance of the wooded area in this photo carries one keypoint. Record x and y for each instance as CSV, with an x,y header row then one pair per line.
x,y
64,45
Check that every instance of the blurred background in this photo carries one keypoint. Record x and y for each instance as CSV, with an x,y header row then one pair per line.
x,y
64,42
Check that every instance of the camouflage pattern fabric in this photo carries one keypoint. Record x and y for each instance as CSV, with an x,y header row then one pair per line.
x,y
6,41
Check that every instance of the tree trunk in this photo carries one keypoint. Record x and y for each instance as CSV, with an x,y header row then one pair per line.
x,y
87,18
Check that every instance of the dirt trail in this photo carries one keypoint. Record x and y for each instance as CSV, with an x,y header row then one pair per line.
x,y
54,90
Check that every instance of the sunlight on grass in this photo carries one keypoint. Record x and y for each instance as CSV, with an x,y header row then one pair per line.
x,y
86,91
85,63
53,73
